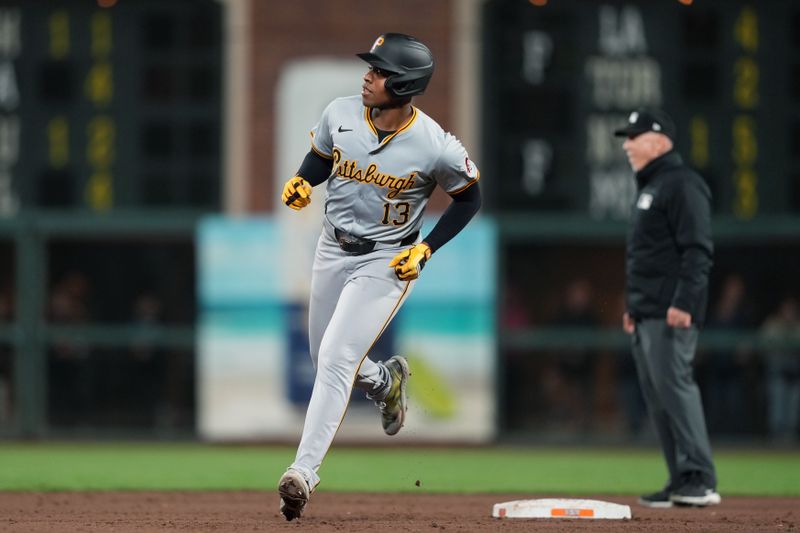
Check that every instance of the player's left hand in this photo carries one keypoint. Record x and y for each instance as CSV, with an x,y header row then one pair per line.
x,y
678,318
408,263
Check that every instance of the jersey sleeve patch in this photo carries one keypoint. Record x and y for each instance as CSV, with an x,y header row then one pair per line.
x,y
455,171
470,169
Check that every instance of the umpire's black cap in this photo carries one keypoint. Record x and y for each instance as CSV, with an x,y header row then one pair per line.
x,y
643,120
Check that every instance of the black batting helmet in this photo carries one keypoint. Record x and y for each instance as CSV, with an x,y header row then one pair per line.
x,y
409,61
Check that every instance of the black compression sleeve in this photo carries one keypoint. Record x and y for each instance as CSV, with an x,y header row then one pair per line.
x,y
463,207
315,169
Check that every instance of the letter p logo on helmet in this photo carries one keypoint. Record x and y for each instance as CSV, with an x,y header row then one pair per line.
x,y
378,42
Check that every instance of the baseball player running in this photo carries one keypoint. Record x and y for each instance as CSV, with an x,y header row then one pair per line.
x,y
381,158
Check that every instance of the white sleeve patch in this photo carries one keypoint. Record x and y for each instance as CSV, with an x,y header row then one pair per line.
x,y
645,201
470,169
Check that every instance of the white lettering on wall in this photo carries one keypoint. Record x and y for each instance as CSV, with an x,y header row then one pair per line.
x,y
624,83
537,50
10,25
621,32
620,78
602,148
537,155
609,195
9,92
10,49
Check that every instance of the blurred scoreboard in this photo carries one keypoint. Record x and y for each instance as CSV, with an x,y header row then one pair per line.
x,y
559,78
109,104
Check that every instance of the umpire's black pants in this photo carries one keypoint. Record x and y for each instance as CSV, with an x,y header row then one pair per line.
x,y
663,358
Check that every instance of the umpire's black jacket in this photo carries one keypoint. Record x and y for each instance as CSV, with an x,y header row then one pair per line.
x,y
669,245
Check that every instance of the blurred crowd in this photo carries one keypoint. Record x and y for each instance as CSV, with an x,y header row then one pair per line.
x,y
130,382
747,390
141,385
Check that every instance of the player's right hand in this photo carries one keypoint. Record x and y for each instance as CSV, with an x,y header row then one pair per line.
x,y
296,193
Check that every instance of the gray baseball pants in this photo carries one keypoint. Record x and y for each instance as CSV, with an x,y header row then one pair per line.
x,y
353,299
663,356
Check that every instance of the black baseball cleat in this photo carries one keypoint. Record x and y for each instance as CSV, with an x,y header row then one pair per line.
x,y
657,500
695,492
294,493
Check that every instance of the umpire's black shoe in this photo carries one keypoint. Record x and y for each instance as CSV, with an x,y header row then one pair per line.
x,y
695,492
657,500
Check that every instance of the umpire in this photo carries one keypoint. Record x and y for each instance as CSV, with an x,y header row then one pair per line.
x,y
668,259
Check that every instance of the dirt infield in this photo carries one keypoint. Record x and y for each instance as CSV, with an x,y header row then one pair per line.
x,y
144,512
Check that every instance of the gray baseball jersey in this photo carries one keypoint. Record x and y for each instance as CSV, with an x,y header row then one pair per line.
x,y
379,190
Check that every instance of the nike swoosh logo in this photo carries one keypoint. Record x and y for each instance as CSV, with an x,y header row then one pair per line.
x,y
342,130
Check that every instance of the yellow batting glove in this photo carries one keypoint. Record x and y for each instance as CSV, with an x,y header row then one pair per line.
x,y
296,193
408,263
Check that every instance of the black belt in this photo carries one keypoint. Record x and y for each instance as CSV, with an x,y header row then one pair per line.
x,y
353,245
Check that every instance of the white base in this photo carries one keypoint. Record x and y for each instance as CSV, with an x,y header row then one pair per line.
x,y
561,508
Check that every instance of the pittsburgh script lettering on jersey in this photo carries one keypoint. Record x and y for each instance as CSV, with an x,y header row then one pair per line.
x,y
349,169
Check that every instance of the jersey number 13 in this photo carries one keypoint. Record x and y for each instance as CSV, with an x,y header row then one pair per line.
x,y
396,214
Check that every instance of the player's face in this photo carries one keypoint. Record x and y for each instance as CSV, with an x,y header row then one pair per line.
x,y
373,90
644,147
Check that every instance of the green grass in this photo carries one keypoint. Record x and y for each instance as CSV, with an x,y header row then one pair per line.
x,y
95,466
